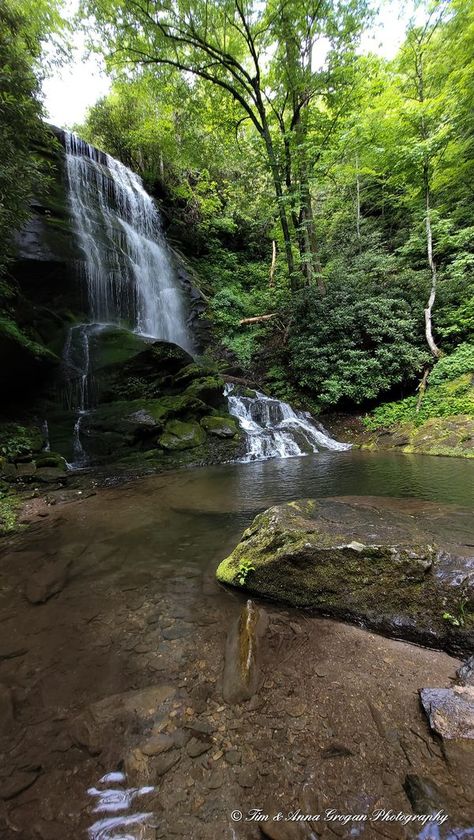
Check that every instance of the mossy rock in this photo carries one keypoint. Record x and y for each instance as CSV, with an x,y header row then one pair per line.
x,y
390,564
150,373
222,427
51,459
142,417
210,390
114,346
194,371
179,435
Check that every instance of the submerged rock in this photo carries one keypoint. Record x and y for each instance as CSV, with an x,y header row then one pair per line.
x,y
48,581
390,564
242,655
450,710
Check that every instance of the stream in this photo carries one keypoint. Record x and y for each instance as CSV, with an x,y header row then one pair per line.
x,y
130,649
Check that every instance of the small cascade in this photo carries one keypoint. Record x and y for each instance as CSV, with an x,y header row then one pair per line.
x,y
275,430
76,367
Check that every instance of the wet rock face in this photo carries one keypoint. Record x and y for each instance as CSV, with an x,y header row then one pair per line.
x,y
402,567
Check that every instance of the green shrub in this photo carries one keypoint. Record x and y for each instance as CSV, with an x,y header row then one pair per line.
x,y
348,349
454,365
444,400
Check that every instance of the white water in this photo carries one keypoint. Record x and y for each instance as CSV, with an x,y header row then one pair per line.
x,y
274,430
128,274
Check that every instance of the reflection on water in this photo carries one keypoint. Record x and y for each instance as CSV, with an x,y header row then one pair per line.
x,y
110,800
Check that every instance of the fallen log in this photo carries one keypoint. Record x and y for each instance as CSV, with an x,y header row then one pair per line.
x,y
257,318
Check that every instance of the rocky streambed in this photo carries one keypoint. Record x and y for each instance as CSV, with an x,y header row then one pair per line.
x,y
139,698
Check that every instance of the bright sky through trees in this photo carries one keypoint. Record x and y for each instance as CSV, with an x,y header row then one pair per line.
x,y
73,88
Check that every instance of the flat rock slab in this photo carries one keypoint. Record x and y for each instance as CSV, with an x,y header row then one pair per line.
x,y
450,710
400,566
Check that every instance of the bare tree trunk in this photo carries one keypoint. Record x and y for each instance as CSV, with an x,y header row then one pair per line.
x,y
271,281
422,388
431,300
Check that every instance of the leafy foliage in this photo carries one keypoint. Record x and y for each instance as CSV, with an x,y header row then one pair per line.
x,y
443,400
450,367
344,351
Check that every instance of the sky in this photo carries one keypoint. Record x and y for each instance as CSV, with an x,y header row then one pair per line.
x,y
72,89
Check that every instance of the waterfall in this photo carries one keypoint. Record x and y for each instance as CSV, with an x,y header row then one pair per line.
x,y
128,275
274,430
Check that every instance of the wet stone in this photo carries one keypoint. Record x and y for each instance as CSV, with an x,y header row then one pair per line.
x,y
425,797
17,782
247,777
465,673
197,747
177,631
215,780
157,744
166,761
450,710
6,710
48,581
233,756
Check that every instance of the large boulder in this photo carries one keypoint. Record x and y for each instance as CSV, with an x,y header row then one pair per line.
x,y
402,567
180,435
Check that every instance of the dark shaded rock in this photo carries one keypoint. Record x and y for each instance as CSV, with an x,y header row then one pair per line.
x,y
48,581
336,750
222,427
16,783
241,676
450,710
425,797
396,565
6,710
465,673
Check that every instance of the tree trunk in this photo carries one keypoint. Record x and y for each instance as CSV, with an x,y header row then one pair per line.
x,y
271,280
429,248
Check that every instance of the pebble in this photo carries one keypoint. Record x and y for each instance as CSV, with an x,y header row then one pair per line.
x,y
233,757
197,747
166,761
247,777
157,744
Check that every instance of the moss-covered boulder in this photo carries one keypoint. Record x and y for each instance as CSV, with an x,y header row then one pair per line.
x,y
221,427
51,459
209,389
180,435
399,566
110,345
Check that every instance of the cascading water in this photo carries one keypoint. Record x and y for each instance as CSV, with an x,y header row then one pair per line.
x,y
274,430
128,274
